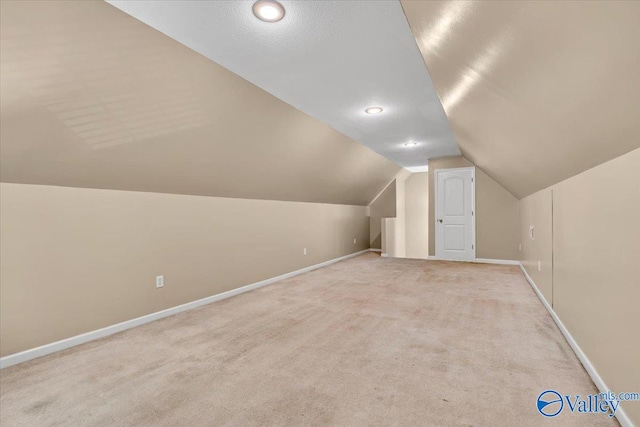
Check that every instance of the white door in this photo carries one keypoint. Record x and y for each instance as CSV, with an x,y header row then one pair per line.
x,y
455,216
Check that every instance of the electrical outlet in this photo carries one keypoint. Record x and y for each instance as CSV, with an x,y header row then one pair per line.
x,y
354,240
304,251
539,266
159,281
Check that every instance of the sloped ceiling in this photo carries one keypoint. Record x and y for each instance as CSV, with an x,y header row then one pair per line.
x,y
329,59
535,91
92,97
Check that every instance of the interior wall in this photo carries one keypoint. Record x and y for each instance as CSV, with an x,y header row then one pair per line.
x,y
596,280
536,211
399,249
417,215
596,265
75,260
497,213
384,206
389,237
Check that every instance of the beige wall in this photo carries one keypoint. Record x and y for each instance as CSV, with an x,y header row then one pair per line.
x,y
74,260
404,234
596,265
497,214
535,211
388,242
417,215
384,206
399,224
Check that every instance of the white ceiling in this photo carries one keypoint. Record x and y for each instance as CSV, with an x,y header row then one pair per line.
x,y
329,59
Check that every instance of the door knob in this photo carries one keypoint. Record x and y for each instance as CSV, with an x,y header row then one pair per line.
x,y
439,220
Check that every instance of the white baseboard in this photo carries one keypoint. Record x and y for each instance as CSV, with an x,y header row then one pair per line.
x,y
621,416
26,355
480,260
375,250
497,261
33,353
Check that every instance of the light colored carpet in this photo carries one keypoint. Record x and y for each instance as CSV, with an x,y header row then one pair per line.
x,y
367,341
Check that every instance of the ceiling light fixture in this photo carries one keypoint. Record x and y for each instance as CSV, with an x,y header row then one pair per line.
x,y
410,144
268,10
373,110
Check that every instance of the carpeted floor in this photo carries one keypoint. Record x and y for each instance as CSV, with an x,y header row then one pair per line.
x,y
367,341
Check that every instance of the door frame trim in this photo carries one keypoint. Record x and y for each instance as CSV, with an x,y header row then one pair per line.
x,y
473,204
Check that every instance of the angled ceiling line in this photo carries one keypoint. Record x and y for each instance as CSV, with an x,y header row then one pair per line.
x,y
199,128
535,92
331,60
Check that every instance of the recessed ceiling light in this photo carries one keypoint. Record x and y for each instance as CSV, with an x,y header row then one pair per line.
x,y
410,144
268,10
373,110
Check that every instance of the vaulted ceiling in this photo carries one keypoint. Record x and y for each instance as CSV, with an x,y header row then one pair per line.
x,y
535,91
226,105
92,97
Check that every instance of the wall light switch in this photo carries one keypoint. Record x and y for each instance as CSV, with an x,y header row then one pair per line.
x,y
539,266
519,246
304,251
159,281
354,241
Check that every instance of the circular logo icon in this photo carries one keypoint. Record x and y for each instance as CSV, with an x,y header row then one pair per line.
x,y
550,403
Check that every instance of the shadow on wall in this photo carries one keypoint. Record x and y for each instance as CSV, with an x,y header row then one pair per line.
x,y
376,243
403,207
384,206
